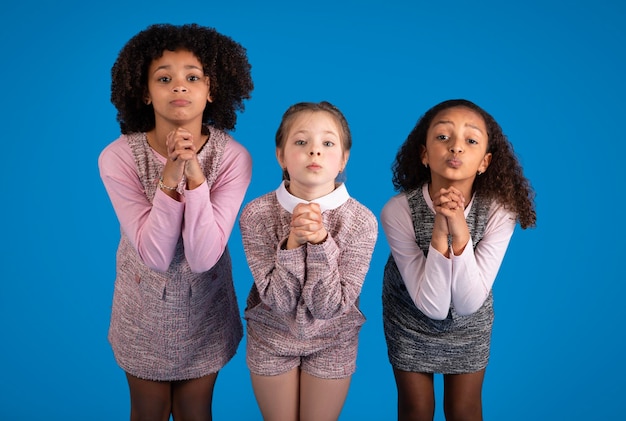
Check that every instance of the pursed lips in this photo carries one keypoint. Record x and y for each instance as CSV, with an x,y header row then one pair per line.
x,y
454,162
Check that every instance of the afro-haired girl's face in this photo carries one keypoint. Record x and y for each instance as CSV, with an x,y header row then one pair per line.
x,y
178,89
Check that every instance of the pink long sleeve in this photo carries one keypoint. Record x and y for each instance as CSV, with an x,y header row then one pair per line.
x,y
436,282
210,215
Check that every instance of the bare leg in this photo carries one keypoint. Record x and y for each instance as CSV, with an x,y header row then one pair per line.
x,y
149,400
463,396
416,396
192,399
322,399
277,396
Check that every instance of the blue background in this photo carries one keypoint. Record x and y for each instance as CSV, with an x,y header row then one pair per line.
x,y
551,72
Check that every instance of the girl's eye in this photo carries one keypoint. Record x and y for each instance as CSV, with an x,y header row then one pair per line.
x,y
163,79
329,143
442,137
300,142
472,141
194,78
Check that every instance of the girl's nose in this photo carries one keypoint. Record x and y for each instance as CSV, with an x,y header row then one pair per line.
x,y
456,148
180,89
314,153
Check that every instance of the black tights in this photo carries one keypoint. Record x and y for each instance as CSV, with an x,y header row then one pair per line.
x,y
462,400
185,400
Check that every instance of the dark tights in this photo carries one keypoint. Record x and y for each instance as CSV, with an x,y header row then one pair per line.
x,y
462,400
185,400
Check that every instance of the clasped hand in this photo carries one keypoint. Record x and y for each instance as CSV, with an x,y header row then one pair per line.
x,y
449,204
182,159
306,226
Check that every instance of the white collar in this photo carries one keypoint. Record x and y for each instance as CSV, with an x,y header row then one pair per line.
x,y
333,200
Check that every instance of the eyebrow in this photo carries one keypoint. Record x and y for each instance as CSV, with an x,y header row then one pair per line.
x,y
303,131
452,123
168,66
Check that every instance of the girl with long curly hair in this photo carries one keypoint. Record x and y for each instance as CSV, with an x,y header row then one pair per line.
x,y
461,193
176,180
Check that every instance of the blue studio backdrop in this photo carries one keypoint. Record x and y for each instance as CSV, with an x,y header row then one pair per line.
x,y
551,74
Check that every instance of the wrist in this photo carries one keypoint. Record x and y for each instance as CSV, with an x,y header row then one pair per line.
x,y
164,186
291,244
320,238
457,245
192,184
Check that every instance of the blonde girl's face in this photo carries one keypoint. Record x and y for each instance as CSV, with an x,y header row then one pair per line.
x,y
312,154
456,146
178,88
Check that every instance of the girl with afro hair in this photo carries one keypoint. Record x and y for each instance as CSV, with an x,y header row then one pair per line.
x,y
176,180
462,191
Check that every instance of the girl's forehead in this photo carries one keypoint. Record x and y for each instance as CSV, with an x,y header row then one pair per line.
x,y
313,118
458,113
178,56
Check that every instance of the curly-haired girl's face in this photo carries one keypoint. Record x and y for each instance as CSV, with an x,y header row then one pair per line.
x,y
178,89
456,145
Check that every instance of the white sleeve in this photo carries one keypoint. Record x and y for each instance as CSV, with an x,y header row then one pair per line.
x,y
428,281
475,270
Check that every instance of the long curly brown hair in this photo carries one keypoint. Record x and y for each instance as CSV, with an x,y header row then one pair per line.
x,y
504,181
224,61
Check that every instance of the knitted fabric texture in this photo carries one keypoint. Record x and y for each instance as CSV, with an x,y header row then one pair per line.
x,y
306,299
416,343
175,325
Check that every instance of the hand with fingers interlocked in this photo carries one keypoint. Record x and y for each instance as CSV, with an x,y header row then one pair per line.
x,y
450,228
306,226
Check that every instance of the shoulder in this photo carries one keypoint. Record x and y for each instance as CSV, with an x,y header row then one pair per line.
x,y
118,145
233,150
498,212
395,216
359,214
222,136
397,204
261,206
115,153
360,209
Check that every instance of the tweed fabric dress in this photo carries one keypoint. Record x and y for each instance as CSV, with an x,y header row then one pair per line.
x,y
417,343
173,325
305,300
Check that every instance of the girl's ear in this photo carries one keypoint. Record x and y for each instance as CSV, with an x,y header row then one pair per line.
x,y
280,157
208,84
424,155
485,163
346,155
146,97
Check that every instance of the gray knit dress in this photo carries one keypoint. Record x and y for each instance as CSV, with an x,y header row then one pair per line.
x,y
173,325
416,343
